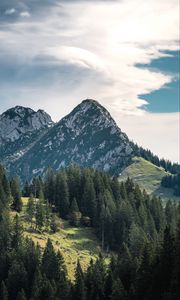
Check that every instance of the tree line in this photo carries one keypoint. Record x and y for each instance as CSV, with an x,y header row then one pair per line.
x,y
173,182
173,168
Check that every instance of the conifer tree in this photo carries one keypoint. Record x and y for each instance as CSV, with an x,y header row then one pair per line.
x,y
79,287
49,186
75,215
118,291
30,211
21,295
16,194
17,279
52,263
62,194
53,224
40,211
17,232
3,291
89,199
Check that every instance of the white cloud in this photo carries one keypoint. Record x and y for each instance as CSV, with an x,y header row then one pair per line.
x,y
25,14
10,11
107,39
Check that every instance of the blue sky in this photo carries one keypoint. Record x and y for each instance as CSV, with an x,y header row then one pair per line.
x,y
123,53
166,99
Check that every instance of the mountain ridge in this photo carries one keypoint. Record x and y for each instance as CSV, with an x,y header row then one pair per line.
x,y
87,136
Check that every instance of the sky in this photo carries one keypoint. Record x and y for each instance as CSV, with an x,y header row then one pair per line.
x,y
123,53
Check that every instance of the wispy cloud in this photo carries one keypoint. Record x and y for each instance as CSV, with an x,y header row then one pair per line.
x,y
70,50
25,14
10,11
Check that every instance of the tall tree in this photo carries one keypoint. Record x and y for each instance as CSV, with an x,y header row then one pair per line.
x,y
79,287
62,194
30,210
16,194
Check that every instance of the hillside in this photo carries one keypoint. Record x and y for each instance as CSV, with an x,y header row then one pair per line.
x,y
148,177
73,242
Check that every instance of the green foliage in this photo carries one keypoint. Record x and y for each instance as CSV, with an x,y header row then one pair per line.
x,y
147,266
3,291
30,210
16,194
79,287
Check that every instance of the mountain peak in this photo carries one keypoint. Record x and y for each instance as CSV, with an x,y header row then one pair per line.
x,y
88,136
20,120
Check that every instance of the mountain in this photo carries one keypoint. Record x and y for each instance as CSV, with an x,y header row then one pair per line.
x,y
20,127
30,142
88,136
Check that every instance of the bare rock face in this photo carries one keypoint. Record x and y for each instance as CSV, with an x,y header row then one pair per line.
x,y
20,128
19,120
88,136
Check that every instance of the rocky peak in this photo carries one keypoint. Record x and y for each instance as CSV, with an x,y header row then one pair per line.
x,y
20,120
90,113
88,136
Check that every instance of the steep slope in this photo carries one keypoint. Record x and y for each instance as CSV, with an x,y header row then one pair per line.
x,y
20,127
88,136
148,177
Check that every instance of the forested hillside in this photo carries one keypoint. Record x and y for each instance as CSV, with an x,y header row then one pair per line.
x,y
145,238
172,181
115,210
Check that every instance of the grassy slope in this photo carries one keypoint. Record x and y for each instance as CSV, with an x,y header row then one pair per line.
x,y
148,176
73,242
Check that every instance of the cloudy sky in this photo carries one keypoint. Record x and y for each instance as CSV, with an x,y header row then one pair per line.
x,y
123,53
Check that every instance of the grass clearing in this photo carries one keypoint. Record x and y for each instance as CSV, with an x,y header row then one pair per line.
x,y
148,176
73,242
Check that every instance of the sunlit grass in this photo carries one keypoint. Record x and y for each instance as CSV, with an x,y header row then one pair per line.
x,y
148,176
73,242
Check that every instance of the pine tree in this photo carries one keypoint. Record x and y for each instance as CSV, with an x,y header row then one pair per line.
x,y
53,224
17,232
17,279
49,186
3,291
79,287
75,215
40,212
62,194
30,211
52,264
21,295
16,194
62,285
89,199
118,291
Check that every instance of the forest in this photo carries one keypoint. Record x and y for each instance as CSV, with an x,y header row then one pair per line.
x,y
141,234
173,182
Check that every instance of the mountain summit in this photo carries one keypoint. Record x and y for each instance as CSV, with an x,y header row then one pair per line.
x,y
20,128
88,136
19,120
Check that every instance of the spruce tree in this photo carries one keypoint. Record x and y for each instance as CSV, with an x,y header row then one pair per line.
x,y
89,199
16,194
30,210
79,287
3,291
118,291
21,295
62,194
40,212
17,232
